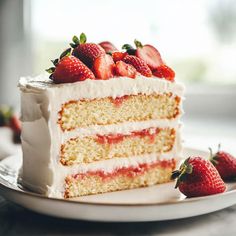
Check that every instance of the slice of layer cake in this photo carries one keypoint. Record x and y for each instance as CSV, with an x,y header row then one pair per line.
x,y
101,123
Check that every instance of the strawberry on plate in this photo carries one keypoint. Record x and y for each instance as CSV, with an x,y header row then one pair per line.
x,y
69,69
225,163
149,54
123,69
138,64
198,177
86,52
164,71
103,67
108,46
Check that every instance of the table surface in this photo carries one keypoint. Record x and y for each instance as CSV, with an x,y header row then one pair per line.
x,y
15,220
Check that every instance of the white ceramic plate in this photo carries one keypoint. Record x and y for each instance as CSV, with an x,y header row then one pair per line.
x,y
160,202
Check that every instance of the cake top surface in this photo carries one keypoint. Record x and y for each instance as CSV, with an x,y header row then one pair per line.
x,y
90,89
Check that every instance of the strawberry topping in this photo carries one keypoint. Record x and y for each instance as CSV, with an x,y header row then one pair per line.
x,y
149,54
118,56
123,69
108,47
86,52
70,69
164,71
138,64
103,67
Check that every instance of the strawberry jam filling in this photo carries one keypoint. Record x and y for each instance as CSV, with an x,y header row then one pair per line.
x,y
130,172
116,138
119,100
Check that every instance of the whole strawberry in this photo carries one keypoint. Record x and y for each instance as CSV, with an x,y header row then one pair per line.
x,y
225,163
86,52
69,69
198,177
138,64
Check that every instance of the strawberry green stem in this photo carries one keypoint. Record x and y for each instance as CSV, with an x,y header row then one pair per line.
x,y
138,44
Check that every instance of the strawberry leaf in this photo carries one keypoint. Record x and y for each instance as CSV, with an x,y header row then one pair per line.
x,y
82,38
55,62
138,44
50,70
127,47
67,52
75,40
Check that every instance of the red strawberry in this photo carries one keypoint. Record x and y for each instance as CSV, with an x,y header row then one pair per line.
x,y
198,177
149,54
15,124
164,71
108,47
118,56
103,67
124,69
225,163
86,52
70,69
138,64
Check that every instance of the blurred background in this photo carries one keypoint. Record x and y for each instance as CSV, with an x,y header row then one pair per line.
x,y
196,38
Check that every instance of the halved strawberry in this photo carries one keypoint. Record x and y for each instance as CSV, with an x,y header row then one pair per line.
x,y
138,64
124,69
118,56
103,67
86,52
108,46
149,54
164,71
69,69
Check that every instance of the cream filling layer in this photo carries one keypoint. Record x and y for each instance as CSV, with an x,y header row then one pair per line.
x,y
124,128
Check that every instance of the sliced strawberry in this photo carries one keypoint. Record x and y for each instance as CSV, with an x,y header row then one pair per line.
x,y
108,46
149,54
103,67
164,71
70,69
118,56
123,69
138,64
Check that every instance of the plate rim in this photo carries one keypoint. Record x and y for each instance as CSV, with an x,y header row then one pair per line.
x,y
5,188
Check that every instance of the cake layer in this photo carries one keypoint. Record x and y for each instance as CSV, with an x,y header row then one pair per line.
x,y
106,111
120,179
97,148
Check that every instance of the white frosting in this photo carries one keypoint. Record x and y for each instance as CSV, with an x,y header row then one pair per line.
x,y
90,89
42,137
